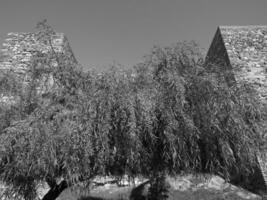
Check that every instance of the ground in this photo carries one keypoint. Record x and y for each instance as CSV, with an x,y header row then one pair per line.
x,y
186,187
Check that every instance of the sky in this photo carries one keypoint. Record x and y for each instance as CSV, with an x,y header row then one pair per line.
x,y
103,32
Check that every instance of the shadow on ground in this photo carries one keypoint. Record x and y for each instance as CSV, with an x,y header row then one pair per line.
x,y
187,187
90,198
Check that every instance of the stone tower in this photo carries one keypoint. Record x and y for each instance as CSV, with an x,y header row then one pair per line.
x,y
240,52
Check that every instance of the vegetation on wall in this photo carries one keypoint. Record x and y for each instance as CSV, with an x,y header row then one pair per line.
x,y
165,116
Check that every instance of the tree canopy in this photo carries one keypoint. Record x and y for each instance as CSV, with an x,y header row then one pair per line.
x,y
168,114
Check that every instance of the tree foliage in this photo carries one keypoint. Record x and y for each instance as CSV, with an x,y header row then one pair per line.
x,y
166,115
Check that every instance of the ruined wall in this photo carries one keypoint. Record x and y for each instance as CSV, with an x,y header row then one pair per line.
x,y
247,51
244,50
19,50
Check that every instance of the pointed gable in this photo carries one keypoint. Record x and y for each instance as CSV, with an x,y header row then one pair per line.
x,y
217,59
243,50
217,52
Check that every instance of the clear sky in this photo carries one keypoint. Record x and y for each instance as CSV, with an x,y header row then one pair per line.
x,y
103,31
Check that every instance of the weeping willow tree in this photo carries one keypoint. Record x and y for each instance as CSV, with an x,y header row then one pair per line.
x,y
199,124
165,116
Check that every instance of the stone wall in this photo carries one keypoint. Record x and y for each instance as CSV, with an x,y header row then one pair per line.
x,y
242,50
19,51
247,51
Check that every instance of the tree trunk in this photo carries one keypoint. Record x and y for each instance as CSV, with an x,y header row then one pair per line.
x,y
203,155
54,192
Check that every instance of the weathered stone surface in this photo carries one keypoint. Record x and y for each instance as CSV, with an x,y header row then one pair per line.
x,y
20,49
243,50
241,54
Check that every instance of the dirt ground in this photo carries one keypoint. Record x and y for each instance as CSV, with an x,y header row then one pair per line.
x,y
187,187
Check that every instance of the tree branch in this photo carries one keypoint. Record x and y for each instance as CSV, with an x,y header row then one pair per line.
x,y
54,192
51,181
